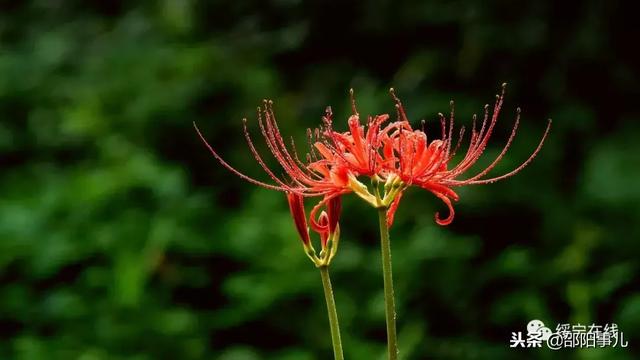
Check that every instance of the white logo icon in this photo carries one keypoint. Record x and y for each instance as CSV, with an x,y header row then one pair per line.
x,y
536,327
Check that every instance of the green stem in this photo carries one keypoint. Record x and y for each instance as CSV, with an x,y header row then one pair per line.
x,y
333,314
389,302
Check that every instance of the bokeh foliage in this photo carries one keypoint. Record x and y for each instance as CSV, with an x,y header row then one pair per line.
x,y
121,238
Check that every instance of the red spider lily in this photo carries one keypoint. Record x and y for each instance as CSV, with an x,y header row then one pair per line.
x,y
322,177
394,152
408,154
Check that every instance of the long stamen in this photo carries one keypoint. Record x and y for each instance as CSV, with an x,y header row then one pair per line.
x,y
483,138
449,138
232,169
276,138
258,158
494,118
354,110
402,114
458,143
267,133
519,168
473,141
503,152
442,126
312,152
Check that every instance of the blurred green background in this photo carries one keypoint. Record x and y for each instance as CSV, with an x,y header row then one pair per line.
x,y
122,238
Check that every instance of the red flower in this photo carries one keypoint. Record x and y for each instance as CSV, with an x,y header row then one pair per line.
x,y
321,177
394,153
408,154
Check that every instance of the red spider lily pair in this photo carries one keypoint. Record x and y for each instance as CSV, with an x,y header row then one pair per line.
x,y
392,153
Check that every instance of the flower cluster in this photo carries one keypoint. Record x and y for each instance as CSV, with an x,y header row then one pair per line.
x,y
392,154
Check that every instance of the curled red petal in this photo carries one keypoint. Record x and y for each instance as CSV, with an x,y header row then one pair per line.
x,y
334,206
316,225
447,201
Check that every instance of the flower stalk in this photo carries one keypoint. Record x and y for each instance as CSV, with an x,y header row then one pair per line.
x,y
327,227
389,300
332,313
383,197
